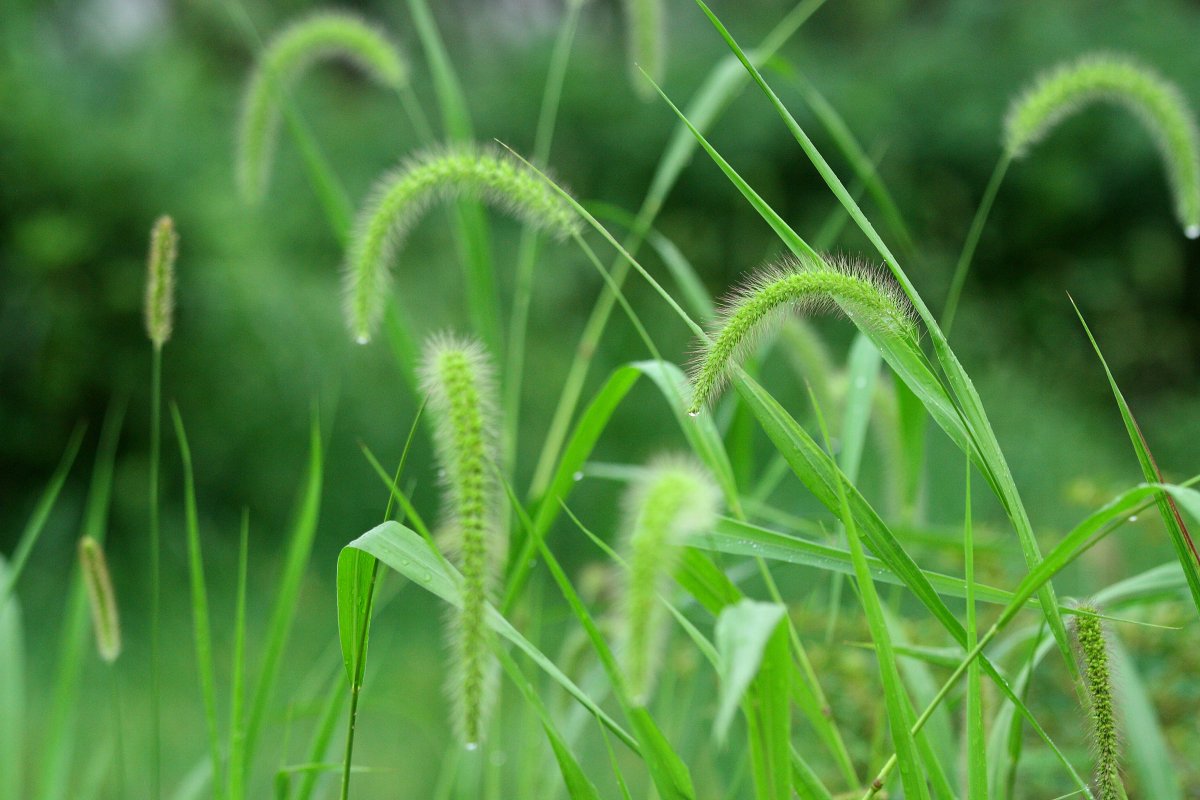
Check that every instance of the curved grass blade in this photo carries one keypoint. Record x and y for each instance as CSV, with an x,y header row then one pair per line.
x,y
12,690
406,552
41,514
1185,547
202,630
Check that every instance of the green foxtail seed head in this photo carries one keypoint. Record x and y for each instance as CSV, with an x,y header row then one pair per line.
x,y
101,598
675,499
1158,103
323,36
402,195
810,286
160,280
457,376
645,26
1092,651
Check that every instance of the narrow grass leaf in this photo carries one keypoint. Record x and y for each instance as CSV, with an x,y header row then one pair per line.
x,y
742,632
12,691
237,670
1185,546
41,514
201,628
977,772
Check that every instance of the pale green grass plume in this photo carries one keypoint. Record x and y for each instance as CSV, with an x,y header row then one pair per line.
x,y
323,36
160,281
101,598
1102,719
457,375
675,499
401,197
645,30
806,287
1158,103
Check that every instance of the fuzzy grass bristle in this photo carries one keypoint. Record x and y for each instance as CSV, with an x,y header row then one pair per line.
x,y
1092,651
1156,102
457,375
751,311
402,195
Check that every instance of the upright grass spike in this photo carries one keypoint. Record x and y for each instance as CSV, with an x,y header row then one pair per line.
x,y
1158,103
323,36
101,598
402,195
160,280
457,375
806,286
673,500
1093,654
645,32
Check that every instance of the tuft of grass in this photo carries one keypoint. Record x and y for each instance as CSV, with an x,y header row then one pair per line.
x,y
400,198
808,285
320,37
457,375
1155,101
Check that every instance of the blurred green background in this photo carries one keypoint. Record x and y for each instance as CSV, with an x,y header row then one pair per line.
x,y
115,111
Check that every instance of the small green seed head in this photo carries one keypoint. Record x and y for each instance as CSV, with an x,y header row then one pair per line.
x,y
101,599
160,280
401,197
458,378
753,310
675,499
1092,652
324,36
1155,101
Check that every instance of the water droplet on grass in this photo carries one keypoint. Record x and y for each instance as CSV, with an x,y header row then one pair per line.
x,y
362,338
578,476
472,745
693,414
1192,231
1133,517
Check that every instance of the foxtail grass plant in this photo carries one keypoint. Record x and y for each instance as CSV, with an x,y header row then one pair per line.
x,y
323,36
457,376
159,310
400,198
675,499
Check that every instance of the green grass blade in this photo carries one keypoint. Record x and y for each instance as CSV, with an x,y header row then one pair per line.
x,y
406,552
41,514
1145,744
57,745
12,691
287,593
237,689
202,631
579,787
1185,547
